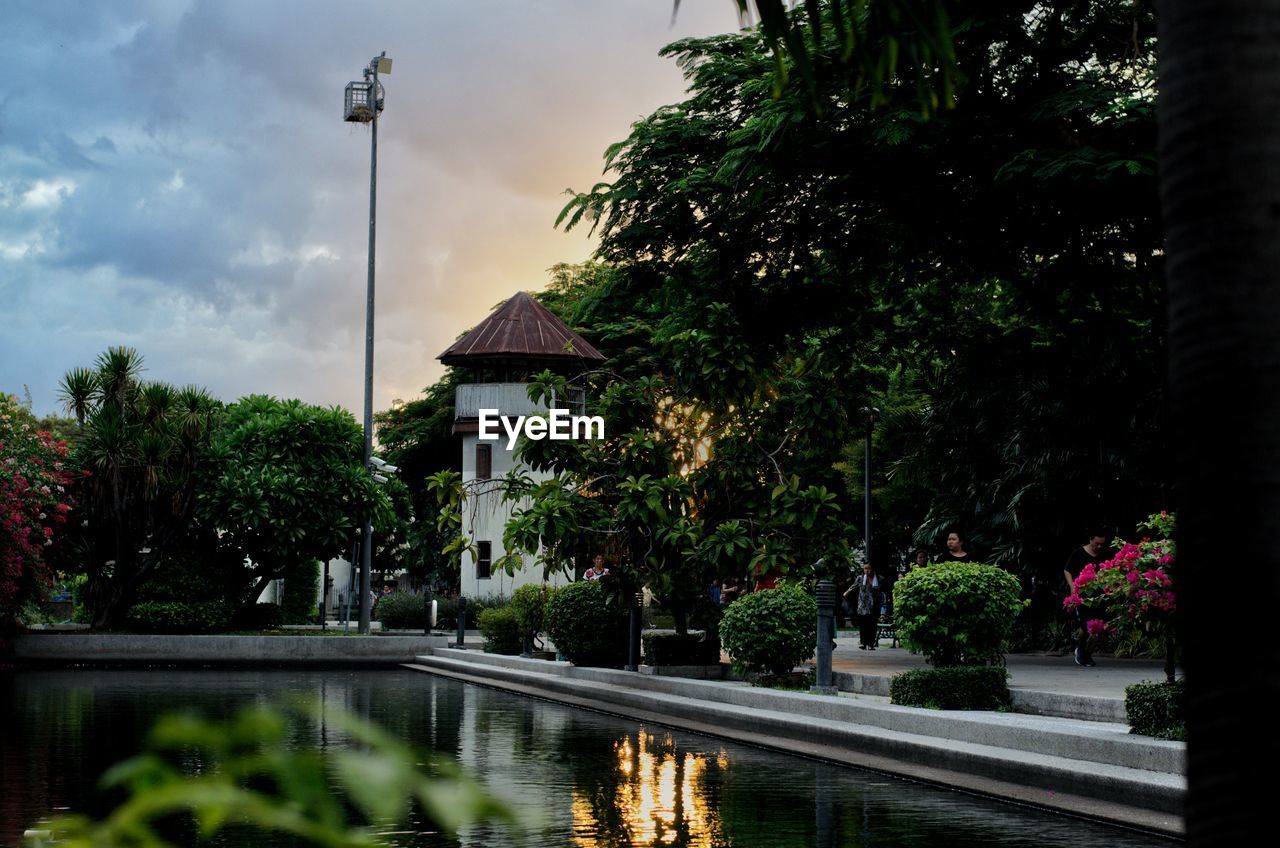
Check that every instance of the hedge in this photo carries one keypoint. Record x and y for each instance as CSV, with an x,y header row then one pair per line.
x,y
1157,709
957,613
585,627
403,611
663,648
975,687
773,630
180,616
501,631
260,616
299,601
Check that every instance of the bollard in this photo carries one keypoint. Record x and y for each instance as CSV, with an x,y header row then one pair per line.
x,y
826,614
633,629
462,624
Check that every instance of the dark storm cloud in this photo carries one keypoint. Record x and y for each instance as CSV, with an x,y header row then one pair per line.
x,y
176,176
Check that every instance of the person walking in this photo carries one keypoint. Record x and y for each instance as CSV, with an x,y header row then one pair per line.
x,y
867,591
1093,552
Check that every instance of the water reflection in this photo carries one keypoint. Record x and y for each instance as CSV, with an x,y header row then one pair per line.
x,y
656,795
595,781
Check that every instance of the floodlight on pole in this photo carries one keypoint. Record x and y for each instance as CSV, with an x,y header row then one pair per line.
x,y
363,104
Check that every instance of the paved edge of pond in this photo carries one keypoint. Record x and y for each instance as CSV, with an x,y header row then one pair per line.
x,y
116,649
1062,765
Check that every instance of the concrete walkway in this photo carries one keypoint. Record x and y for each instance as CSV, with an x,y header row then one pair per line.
x,y
1045,673
1040,684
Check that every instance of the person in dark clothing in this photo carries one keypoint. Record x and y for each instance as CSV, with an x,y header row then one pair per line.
x,y
957,548
865,595
1094,552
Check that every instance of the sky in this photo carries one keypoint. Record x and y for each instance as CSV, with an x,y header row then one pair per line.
x,y
177,177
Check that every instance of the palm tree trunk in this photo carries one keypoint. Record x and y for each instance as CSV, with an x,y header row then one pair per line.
x,y
1219,120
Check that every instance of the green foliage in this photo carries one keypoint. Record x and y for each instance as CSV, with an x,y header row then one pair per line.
x,y
143,444
285,484
301,589
772,630
1157,709
529,602
245,780
404,611
501,629
260,616
447,610
957,613
180,616
584,626
693,648
952,688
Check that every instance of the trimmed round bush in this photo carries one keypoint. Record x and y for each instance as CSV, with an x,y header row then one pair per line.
x,y
530,605
501,631
180,616
960,687
957,613
584,626
772,630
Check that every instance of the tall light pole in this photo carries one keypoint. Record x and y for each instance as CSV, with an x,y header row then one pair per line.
x,y
363,105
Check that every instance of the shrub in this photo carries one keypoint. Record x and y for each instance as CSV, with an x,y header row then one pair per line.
x,y
180,616
403,611
530,606
299,603
1157,709
584,627
260,616
952,688
447,610
772,631
957,613
501,631
662,648
1133,592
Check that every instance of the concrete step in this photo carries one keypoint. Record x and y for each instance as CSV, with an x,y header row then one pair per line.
x,y
1086,741
825,722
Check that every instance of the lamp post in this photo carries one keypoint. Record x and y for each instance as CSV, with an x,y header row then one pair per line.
x,y
871,413
363,104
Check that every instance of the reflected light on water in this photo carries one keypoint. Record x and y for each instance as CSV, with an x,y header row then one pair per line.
x,y
656,797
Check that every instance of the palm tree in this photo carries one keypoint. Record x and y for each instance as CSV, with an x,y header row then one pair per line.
x,y
141,443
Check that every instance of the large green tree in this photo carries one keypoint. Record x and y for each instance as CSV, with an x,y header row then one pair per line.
x,y
285,485
1002,258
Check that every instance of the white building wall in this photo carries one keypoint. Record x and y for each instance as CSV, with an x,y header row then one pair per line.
x,y
484,514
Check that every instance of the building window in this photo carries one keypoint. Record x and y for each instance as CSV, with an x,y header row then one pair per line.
x,y
484,462
484,560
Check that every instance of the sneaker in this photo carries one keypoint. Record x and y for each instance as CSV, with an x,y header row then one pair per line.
x,y
862,647
871,648
1089,662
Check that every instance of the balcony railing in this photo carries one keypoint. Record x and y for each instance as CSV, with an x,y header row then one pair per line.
x,y
509,399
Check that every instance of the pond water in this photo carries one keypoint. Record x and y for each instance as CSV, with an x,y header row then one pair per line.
x,y
597,781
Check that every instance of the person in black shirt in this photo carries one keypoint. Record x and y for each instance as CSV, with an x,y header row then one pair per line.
x,y
957,550
1094,552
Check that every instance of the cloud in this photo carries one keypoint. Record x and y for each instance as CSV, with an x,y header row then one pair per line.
x,y
177,177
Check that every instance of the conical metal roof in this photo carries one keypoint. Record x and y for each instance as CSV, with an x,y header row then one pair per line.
x,y
520,330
